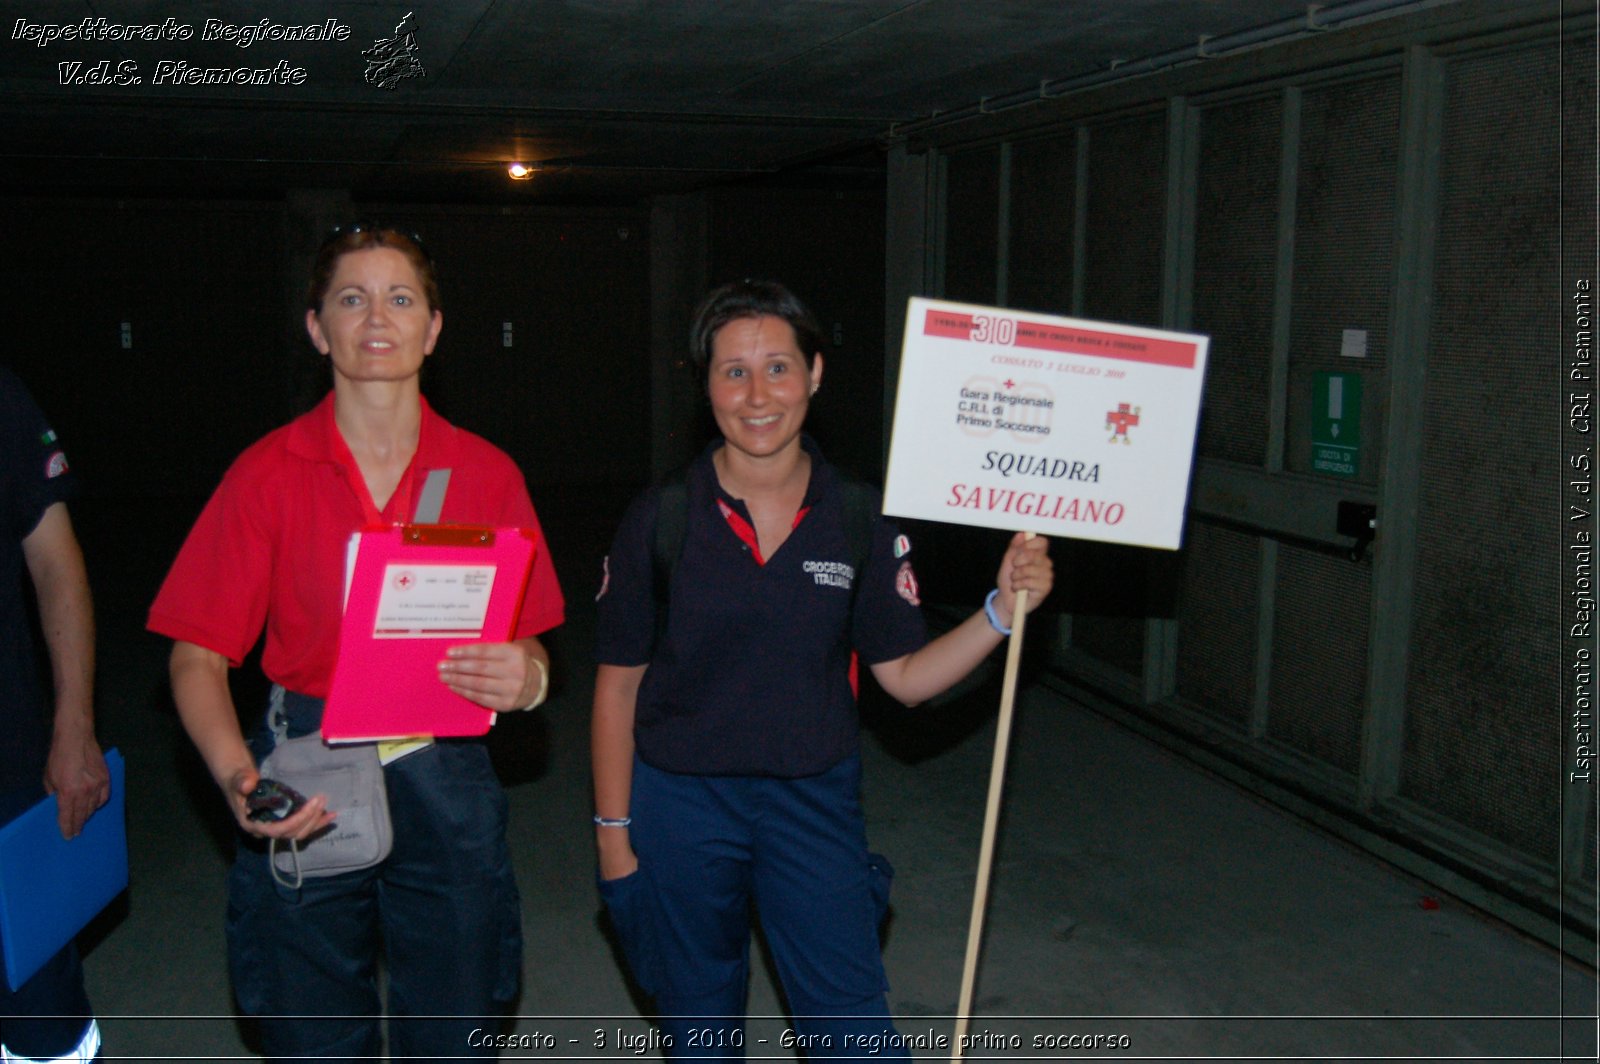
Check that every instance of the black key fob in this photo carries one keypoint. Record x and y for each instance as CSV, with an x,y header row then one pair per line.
x,y
272,800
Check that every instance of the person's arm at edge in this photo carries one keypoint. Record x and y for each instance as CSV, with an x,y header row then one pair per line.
x,y
942,663
616,694
205,705
75,771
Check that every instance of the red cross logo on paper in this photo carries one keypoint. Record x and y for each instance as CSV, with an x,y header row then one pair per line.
x,y
1009,384
1121,420
403,581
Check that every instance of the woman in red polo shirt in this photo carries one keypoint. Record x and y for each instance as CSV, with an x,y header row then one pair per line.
x,y
268,553
726,756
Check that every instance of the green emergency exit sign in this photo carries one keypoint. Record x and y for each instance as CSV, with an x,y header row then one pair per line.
x,y
1336,424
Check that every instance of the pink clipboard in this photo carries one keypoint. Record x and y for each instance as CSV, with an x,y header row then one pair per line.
x,y
415,591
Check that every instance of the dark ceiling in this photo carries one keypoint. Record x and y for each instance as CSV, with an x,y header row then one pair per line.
x,y
613,99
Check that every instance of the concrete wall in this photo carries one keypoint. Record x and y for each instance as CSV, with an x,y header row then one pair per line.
x,y
1424,183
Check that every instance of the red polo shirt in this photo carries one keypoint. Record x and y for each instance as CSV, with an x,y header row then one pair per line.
x,y
269,548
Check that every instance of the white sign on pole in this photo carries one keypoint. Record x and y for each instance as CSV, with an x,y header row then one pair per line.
x,y
1014,420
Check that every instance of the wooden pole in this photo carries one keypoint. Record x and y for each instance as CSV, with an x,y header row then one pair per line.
x,y
991,818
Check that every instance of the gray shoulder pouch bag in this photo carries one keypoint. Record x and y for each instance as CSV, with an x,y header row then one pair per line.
x,y
352,778
350,775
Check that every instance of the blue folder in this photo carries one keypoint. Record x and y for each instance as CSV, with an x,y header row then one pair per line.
x,y
51,887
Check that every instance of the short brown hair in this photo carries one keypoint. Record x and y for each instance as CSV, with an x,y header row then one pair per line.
x,y
363,236
752,299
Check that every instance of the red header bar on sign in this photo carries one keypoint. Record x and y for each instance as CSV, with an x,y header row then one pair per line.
x,y
1042,336
1105,344
948,323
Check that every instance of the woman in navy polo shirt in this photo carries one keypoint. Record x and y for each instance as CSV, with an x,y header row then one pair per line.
x,y
726,759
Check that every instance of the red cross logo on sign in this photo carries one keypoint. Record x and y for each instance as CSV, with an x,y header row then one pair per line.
x,y
1121,420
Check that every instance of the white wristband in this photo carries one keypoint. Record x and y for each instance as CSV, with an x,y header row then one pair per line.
x,y
994,620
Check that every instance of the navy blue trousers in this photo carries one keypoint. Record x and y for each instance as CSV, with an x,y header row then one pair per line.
x,y
709,848
48,1016
442,908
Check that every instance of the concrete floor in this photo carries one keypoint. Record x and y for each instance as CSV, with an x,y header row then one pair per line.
x,y
1134,895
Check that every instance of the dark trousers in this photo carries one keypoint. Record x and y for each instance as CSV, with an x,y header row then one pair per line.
x,y
708,848
48,1016
442,907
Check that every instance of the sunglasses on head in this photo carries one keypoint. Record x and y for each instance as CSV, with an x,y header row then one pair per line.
x,y
354,228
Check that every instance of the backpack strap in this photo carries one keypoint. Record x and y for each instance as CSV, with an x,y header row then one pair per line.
x,y
672,527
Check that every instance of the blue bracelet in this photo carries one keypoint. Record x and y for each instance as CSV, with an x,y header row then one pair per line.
x,y
988,609
612,822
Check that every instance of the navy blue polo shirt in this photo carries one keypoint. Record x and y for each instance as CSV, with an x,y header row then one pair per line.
x,y
753,677
33,477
